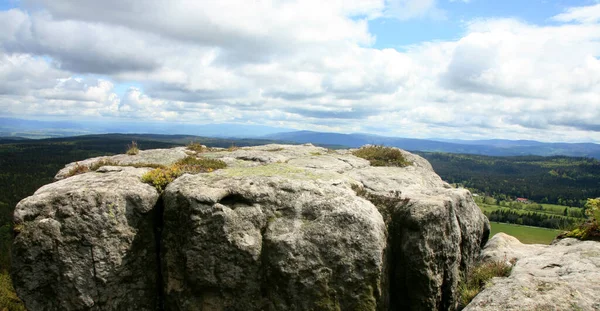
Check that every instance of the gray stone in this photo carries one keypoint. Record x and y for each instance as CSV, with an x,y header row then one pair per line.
x,y
562,276
281,228
255,243
87,243
153,156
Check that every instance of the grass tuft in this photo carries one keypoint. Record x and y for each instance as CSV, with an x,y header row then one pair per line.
x,y
133,148
233,147
197,147
78,169
382,156
477,278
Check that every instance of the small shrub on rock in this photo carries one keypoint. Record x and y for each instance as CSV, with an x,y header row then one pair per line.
x,y
382,156
133,148
195,165
197,147
162,176
478,277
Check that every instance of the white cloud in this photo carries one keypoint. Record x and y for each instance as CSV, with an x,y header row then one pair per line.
x,y
302,64
584,14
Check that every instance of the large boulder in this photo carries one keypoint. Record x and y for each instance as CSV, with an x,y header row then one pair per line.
x,y
562,276
281,228
87,243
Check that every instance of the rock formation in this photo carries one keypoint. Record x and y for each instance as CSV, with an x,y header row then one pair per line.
x,y
281,228
562,276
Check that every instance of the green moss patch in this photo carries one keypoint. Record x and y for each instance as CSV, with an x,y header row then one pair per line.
x,y
162,176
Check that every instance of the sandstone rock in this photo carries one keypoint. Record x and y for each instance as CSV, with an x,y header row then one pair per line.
x,y
281,228
87,243
562,276
154,156
256,243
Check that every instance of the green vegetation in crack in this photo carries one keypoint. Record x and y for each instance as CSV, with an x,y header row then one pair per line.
x,y
161,177
478,276
382,156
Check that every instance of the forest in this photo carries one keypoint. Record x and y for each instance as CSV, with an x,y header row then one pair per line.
x,y
558,180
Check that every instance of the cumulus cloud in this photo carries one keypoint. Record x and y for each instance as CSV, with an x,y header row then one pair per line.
x,y
302,64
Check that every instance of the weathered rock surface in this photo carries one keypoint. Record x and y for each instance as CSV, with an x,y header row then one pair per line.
x,y
87,243
562,276
281,228
153,156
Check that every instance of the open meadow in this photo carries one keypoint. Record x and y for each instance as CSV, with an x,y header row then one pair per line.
x,y
525,234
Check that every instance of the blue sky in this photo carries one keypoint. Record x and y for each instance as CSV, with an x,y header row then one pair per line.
x,y
414,68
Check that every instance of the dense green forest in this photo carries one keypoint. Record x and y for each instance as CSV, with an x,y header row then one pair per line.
x,y
558,180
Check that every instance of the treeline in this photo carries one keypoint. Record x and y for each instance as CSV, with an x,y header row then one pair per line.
x,y
556,180
530,219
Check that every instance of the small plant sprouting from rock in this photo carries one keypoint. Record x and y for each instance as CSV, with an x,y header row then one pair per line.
x,y
133,148
478,276
233,147
162,176
382,156
197,147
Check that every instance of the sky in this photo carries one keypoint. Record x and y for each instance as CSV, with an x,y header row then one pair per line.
x,y
463,69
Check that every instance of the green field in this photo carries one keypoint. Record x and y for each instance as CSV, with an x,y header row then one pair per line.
x,y
525,234
549,209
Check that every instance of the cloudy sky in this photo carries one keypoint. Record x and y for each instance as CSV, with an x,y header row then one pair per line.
x,y
470,69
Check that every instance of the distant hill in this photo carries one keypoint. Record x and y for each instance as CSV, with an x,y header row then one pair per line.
x,y
494,147
48,129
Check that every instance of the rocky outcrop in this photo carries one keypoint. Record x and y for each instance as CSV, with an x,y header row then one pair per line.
x,y
562,276
281,228
86,243
144,157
